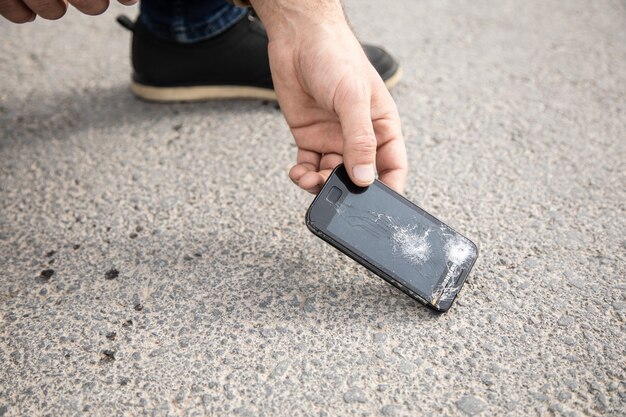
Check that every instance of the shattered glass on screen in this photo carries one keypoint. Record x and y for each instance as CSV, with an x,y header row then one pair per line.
x,y
425,256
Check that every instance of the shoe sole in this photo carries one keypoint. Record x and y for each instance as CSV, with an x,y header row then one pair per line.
x,y
202,93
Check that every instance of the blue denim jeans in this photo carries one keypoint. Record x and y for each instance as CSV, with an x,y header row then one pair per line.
x,y
188,21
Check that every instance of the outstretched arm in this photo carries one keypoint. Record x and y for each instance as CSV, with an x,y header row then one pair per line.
x,y
335,103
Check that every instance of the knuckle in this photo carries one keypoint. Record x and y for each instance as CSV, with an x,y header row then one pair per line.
x,y
364,143
350,90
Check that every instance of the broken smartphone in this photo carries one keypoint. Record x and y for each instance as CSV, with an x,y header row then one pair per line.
x,y
394,238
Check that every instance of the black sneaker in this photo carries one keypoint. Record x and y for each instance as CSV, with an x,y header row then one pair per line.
x,y
233,64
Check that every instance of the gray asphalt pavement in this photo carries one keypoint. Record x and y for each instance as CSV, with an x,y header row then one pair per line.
x,y
184,279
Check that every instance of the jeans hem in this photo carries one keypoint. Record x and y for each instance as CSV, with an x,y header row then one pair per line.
x,y
178,30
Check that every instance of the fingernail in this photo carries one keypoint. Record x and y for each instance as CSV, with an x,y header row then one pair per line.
x,y
364,173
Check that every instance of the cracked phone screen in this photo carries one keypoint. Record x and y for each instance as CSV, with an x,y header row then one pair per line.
x,y
422,254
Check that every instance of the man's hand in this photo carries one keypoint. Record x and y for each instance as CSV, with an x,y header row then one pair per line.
x,y
23,11
335,103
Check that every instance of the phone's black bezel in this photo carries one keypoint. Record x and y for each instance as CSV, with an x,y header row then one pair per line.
x,y
321,212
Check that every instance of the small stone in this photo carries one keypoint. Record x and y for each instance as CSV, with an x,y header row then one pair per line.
x,y
471,405
355,395
531,263
132,235
570,383
180,397
619,306
487,379
391,411
76,247
50,254
268,333
138,307
309,305
489,347
111,335
382,355
127,323
112,273
406,367
266,302
280,369
157,352
107,356
569,341
124,381
601,400
380,337
46,274
168,202
565,321
565,395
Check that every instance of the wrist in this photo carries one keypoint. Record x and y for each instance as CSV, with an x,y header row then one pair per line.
x,y
286,19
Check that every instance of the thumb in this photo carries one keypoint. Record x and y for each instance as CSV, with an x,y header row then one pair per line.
x,y
359,140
